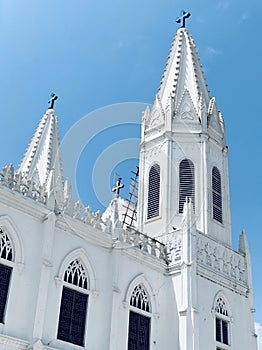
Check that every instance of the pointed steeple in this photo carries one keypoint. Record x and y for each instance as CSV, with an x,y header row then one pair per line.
x,y
42,161
183,72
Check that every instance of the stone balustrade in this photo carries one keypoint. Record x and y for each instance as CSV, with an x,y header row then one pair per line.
x,y
145,243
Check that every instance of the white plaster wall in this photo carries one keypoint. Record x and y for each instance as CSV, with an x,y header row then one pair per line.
x,y
21,306
240,327
113,270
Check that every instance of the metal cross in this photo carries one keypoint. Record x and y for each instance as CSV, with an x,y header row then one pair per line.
x,y
52,100
118,187
182,18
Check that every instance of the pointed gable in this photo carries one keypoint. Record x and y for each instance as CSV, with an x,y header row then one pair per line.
x,y
186,111
155,117
215,119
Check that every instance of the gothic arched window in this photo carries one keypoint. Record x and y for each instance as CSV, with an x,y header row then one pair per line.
x,y
186,183
153,191
222,323
139,320
6,259
217,195
74,301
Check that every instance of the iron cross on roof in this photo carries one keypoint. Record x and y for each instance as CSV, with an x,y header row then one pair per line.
x,y
118,187
182,18
52,100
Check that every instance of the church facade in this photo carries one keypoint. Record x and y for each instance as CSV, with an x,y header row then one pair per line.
x,y
74,279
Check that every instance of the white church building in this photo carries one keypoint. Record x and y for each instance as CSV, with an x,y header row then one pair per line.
x,y
71,279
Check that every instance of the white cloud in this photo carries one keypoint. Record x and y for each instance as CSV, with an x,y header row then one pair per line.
x,y
244,17
224,4
210,52
200,19
258,328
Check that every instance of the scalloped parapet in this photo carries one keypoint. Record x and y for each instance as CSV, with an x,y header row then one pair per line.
x,y
21,183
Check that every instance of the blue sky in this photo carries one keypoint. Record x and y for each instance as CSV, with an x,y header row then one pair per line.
x,y
94,54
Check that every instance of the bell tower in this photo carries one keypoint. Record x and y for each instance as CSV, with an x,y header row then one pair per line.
x,y
183,152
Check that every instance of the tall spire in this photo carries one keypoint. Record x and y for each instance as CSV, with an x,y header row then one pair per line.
x,y
183,72
184,134
42,161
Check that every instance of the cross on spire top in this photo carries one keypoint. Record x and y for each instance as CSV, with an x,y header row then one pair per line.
x,y
52,100
182,18
118,186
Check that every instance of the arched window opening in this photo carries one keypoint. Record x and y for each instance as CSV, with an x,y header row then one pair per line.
x,y
153,192
222,322
139,320
74,301
217,195
186,183
7,254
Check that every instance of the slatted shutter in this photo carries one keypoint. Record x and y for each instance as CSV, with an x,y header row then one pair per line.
x,y
153,192
186,183
72,316
217,195
139,332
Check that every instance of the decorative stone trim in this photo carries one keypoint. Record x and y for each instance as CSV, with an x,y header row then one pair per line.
x,y
6,341
20,183
147,244
215,256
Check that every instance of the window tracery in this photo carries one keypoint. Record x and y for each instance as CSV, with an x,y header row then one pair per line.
x,y
140,299
6,248
6,253
76,274
221,307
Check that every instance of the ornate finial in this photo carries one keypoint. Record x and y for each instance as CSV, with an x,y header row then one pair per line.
x,y
182,18
118,187
52,100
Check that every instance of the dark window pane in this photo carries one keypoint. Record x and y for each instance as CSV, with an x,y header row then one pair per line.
x,y
5,274
153,192
72,316
218,330
225,332
139,332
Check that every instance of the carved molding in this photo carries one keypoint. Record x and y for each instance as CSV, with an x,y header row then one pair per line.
x,y
222,259
154,151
